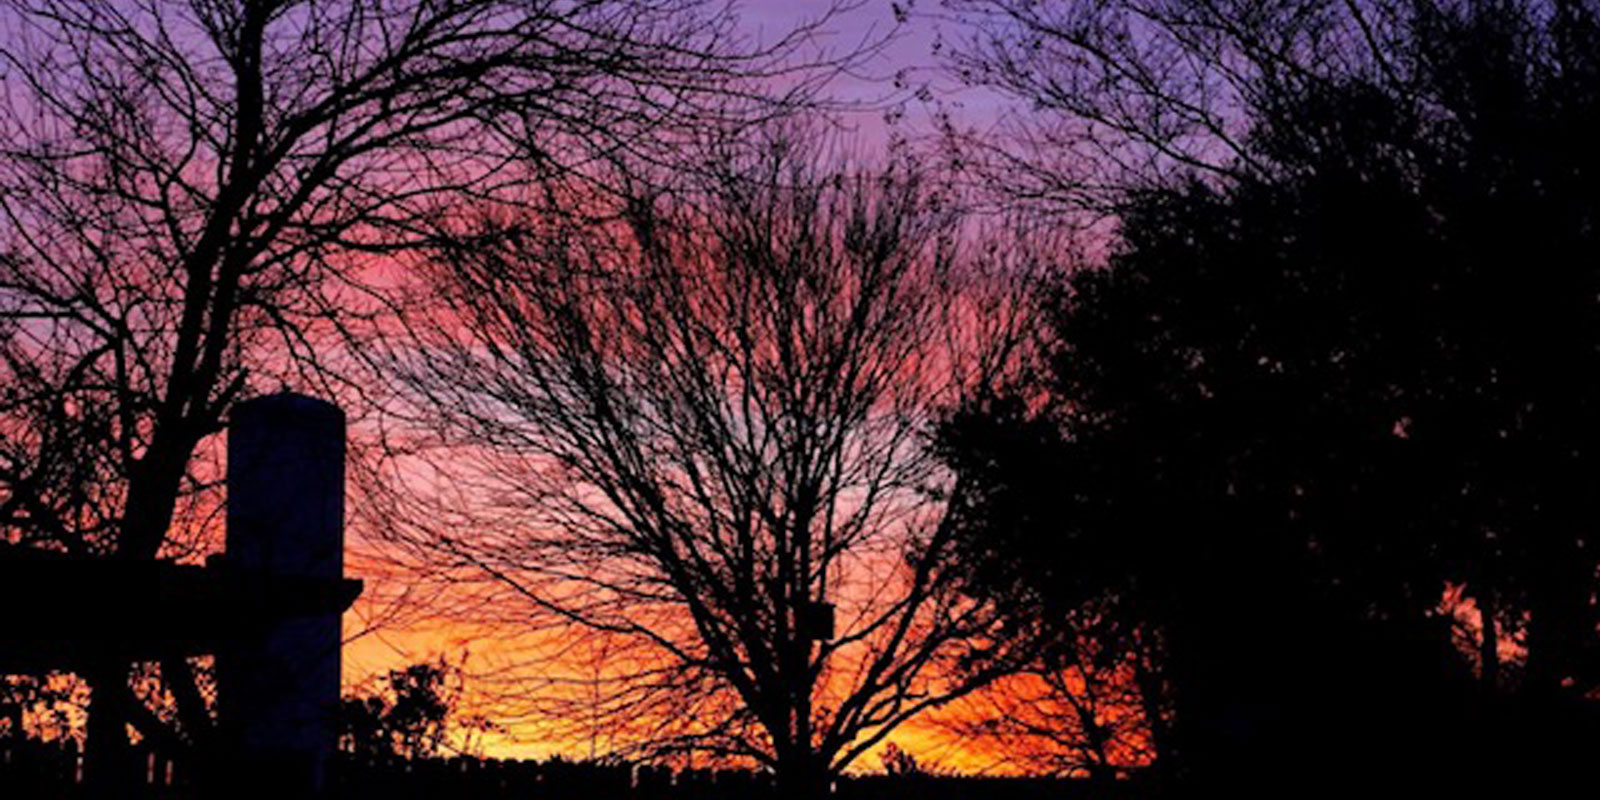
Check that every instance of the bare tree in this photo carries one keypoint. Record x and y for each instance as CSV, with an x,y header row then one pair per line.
x,y
195,196
696,437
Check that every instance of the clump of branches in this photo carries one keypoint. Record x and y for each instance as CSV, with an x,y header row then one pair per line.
x,y
1078,711
411,715
40,707
1123,96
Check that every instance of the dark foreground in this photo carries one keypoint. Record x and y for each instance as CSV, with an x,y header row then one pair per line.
x,y
34,770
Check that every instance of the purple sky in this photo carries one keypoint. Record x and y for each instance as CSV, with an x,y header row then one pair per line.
x,y
910,53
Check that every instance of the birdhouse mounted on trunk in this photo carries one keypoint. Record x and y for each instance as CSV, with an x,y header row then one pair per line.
x,y
816,621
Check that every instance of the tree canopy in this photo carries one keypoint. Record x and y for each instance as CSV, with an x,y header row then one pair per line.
x,y
1324,376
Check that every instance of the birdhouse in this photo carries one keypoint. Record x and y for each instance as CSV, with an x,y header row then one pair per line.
x,y
816,621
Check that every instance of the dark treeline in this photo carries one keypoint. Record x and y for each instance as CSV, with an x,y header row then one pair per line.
x,y
1322,378
54,770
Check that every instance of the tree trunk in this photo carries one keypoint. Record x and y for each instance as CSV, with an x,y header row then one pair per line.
x,y
1152,700
802,777
105,758
1489,646
1556,626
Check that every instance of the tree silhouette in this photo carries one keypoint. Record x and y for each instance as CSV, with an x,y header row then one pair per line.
x,y
1344,356
192,196
697,435
409,717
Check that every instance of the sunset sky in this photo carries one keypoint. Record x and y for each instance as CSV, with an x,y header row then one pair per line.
x,y
1203,405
